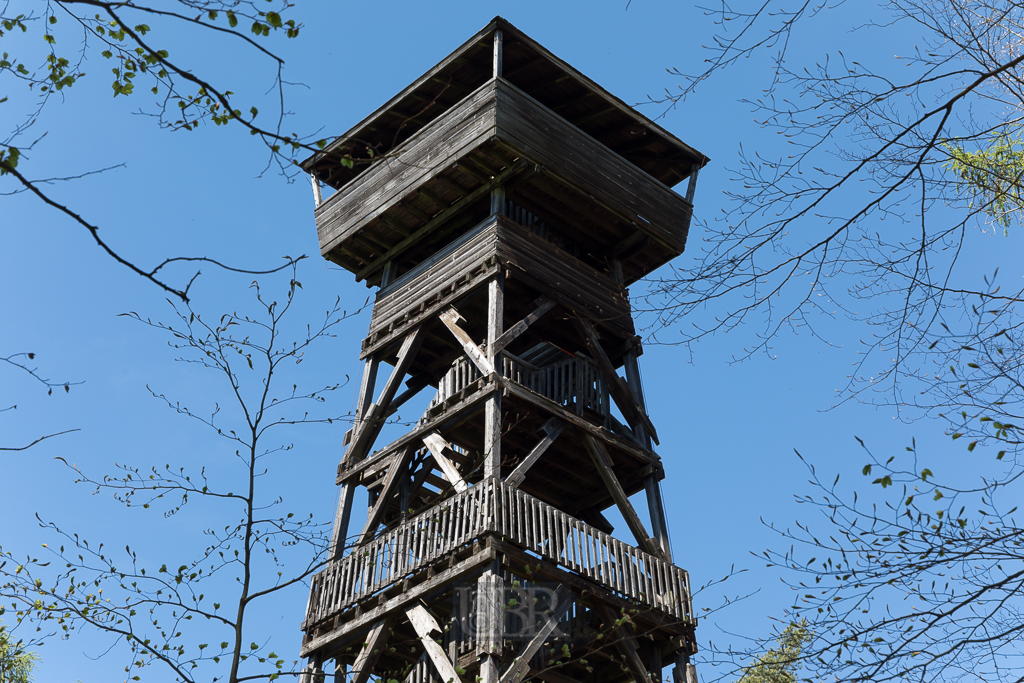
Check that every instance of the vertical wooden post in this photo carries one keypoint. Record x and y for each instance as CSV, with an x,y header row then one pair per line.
x,y
655,504
492,409
490,623
691,187
632,368
498,56
318,197
344,512
656,664
498,201
388,273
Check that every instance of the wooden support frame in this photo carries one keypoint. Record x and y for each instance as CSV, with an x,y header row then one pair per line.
x,y
446,213
437,445
521,664
492,409
426,626
372,422
343,514
396,474
451,318
624,643
552,429
318,197
370,652
602,462
544,304
619,390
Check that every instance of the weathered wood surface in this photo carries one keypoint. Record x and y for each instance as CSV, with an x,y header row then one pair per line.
x,y
423,156
592,168
564,278
524,521
499,109
521,664
453,274
427,629
345,633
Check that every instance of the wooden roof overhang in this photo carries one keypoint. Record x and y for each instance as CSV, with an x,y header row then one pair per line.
x,y
437,146
406,206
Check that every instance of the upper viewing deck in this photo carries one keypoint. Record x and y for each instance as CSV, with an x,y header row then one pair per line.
x,y
418,172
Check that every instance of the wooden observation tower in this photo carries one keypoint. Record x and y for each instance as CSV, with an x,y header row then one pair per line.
x,y
502,204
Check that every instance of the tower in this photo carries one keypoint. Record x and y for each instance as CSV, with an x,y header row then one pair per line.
x,y
502,204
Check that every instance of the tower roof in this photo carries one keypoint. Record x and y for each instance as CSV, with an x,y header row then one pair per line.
x,y
534,70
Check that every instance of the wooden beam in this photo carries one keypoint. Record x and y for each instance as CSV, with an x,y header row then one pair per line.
x,y
396,472
437,445
413,387
594,518
580,423
691,187
416,211
447,213
495,322
394,224
545,304
624,643
499,54
552,428
618,388
371,425
579,123
602,462
342,635
451,83
464,166
450,319
451,185
521,664
371,650
436,200
318,197
426,626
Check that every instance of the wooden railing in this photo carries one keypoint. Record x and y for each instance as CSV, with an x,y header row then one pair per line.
x,y
493,507
575,382
459,376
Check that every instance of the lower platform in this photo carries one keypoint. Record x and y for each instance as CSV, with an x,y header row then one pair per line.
x,y
622,611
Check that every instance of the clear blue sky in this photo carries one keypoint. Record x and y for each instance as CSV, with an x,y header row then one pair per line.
x,y
728,430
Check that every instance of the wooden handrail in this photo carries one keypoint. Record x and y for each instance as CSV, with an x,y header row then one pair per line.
x,y
492,507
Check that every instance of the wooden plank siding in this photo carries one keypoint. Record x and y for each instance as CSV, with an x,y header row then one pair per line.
x,y
361,218
425,155
592,168
418,294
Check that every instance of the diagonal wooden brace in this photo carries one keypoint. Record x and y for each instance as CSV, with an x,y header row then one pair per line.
x,y
451,318
367,657
552,428
521,665
371,424
603,464
396,470
437,445
426,627
618,388
545,304
624,642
